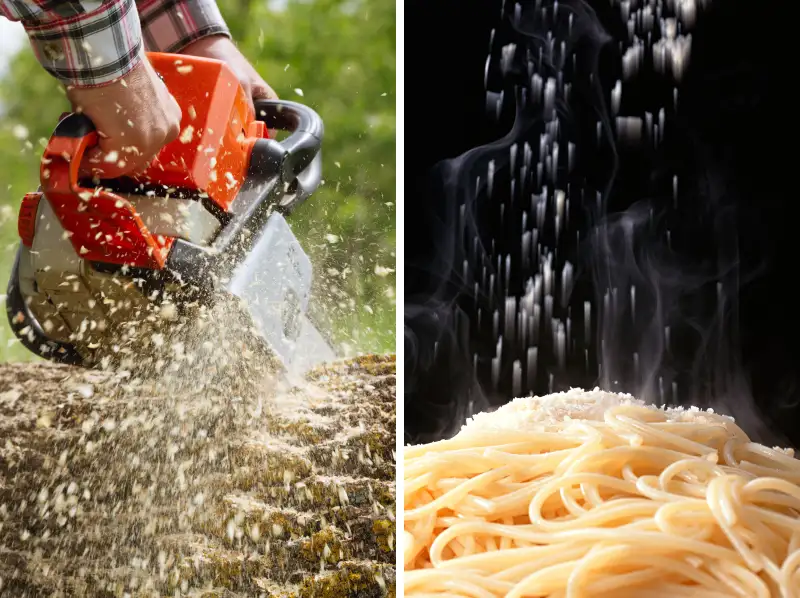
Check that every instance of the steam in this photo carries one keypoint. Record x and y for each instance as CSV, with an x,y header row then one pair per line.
x,y
548,275
667,270
645,289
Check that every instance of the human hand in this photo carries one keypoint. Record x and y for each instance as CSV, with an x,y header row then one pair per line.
x,y
219,47
135,117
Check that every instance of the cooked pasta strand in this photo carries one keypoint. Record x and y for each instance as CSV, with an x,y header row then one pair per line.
x,y
589,493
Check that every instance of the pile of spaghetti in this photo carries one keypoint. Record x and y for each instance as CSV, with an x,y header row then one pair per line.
x,y
588,494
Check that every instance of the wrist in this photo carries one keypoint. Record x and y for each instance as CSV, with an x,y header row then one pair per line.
x,y
206,42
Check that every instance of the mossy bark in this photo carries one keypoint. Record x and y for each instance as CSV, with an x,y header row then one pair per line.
x,y
112,486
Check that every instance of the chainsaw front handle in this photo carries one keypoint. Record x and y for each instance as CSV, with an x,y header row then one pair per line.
x,y
301,168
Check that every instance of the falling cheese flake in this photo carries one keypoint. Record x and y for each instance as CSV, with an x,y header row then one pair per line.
x,y
299,92
111,157
185,69
331,238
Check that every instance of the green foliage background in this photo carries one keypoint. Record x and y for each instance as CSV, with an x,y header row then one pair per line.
x,y
340,55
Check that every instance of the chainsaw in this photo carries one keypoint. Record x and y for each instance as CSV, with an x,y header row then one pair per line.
x,y
207,219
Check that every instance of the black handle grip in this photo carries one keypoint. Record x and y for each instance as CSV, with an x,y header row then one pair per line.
x,y
305,126
74,125
301,168
289,116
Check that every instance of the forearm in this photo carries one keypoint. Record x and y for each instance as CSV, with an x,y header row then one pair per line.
x,y
82,44
171,25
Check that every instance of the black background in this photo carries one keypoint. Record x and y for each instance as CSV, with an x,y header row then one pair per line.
x,y
446,48
737,102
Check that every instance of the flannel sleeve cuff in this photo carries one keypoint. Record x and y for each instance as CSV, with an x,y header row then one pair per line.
x,y
171,25
86,44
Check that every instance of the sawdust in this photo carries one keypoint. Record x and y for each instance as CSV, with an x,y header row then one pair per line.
x,y
114,484
213,342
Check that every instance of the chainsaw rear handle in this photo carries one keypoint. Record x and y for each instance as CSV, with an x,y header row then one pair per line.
x,y
74,125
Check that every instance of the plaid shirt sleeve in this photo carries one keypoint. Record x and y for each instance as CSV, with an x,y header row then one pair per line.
x,y
171,25
92,43
81,43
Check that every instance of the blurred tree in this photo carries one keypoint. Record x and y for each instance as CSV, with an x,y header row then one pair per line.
x,y
337,56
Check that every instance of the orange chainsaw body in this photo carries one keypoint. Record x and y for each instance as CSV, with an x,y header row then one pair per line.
x,y
208,160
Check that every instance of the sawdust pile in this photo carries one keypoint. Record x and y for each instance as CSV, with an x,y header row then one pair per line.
x,y
111,485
